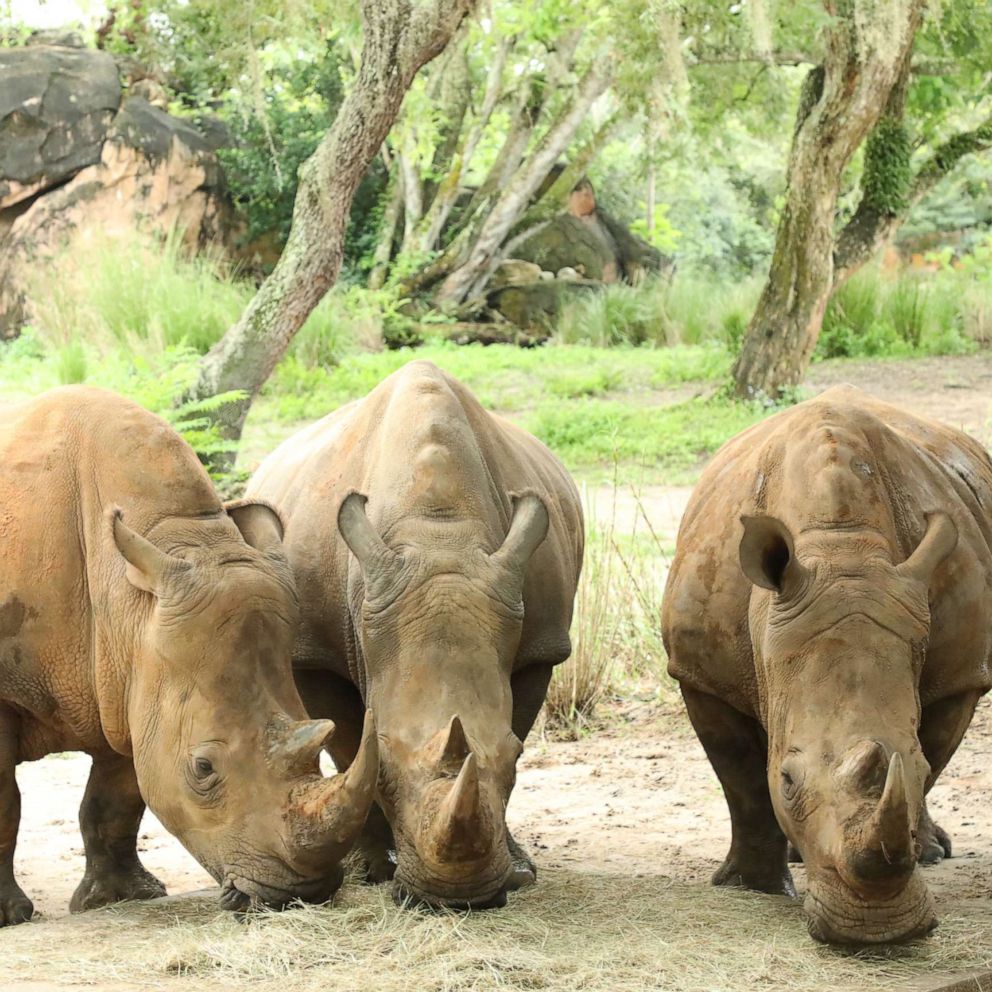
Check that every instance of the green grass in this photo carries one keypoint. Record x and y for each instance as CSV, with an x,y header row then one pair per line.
x,y
588,404
504,378
686,310
671,440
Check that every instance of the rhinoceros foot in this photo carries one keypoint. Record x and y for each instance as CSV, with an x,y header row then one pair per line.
x,y
524,871
935,844
776,881
15,906
101,888
378,866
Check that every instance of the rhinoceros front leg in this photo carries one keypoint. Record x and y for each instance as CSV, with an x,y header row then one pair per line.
x,y
109,818
529,687
736,747
942,725
15,906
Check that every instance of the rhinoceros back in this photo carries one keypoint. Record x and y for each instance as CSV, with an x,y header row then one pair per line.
x,y
67,615
841,460
419,445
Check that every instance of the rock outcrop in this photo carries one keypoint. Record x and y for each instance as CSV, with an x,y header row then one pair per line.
x,y
593,242
579,250
74,156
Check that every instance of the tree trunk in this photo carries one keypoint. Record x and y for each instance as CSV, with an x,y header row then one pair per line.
x,y
400,36
446,196
841,102
512,202
387,231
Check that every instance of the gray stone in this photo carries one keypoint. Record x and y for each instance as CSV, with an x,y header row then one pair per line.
x,y
56,109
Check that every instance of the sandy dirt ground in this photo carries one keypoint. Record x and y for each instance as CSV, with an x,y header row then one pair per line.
x,y
637,798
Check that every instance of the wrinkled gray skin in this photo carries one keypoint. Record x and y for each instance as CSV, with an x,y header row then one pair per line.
x,y
441,600
161,647
827,615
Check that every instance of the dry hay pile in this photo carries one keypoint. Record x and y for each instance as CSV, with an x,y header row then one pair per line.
x,y
574,931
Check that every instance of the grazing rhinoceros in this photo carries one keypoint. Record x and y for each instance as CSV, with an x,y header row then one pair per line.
x,y
446,618
165,656
832,647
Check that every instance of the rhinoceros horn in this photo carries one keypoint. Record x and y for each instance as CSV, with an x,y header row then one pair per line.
x,y
342,804
454,749
300,745
459,828
891,827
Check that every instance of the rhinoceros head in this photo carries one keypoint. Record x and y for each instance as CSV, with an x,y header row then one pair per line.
x,y
839,657
439,621
224,754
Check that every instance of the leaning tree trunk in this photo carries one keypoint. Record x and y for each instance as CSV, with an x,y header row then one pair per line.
x,y
513,201
400,36
841,102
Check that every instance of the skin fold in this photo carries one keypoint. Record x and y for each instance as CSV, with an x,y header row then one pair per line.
x,y
437,550
827,615
147,624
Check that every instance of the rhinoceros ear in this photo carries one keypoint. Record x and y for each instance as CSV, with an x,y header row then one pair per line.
x,y
359,534
259,522
148,567
768,554
940,539
528,528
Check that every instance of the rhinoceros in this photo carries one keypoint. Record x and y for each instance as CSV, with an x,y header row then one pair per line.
x,y
160,646
437,549
827,615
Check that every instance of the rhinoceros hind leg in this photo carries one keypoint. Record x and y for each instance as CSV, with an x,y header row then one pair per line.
x,y
15,906
524,870
109,818
737,749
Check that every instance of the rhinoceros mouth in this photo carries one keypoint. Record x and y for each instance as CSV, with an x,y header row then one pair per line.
x,y
240,893
487,892
411,898
837,915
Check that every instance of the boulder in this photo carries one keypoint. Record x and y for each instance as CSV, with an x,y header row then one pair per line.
x,y
57,106
515,272
590,241
535,307
155,172
571,242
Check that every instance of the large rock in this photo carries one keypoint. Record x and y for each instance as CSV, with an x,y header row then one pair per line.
x,y
534,307
596,245
57,106
155,173
592,242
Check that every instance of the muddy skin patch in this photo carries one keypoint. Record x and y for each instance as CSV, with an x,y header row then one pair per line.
x,y
12,616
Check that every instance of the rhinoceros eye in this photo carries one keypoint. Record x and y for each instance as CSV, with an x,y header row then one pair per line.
x,y
791,781
201,774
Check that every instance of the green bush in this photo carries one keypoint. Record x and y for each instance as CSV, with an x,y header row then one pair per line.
x,y
873,314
